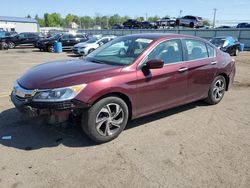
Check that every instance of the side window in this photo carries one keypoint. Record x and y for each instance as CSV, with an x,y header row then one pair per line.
x,y
195,49
65,37
79,36
104,41
169,51
22,35
72,36
211,51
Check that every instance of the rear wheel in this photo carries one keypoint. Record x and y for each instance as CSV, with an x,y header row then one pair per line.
x,y
191,25
236,52
216,90
11,45
105,120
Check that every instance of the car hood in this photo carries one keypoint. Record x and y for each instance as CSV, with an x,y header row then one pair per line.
x,y
84,44
66,73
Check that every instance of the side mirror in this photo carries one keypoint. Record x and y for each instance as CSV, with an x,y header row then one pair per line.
x,y
155,64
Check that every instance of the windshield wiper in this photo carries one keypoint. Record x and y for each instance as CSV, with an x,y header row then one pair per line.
x,y
95,60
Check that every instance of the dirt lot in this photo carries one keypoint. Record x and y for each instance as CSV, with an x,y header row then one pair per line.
x,y
190,146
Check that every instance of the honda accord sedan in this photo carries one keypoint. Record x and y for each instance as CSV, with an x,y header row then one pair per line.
x,y
148,73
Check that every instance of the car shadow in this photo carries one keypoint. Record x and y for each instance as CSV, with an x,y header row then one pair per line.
x,y
20,132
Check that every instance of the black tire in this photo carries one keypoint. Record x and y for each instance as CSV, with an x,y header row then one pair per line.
x,y
236,52
177,23
51,49
11,45
216,91
191,25
91,50
97,122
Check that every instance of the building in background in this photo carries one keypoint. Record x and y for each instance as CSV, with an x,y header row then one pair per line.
x,y
18,24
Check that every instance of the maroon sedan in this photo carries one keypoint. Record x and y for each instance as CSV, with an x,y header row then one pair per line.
x,y
129,77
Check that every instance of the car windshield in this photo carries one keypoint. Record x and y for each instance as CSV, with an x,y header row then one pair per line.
x,y
218,41
120,51
56,36
92,40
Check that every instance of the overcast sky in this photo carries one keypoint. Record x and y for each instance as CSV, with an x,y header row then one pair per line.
x,y
227,9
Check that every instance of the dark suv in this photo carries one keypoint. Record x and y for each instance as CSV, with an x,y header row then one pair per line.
x,y
67,40
132,24
21,39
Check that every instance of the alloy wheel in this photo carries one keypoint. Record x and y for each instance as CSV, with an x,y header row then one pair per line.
x,y
219,89
11,45
109,119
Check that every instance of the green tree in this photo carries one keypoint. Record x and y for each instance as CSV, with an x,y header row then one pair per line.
x,y
153,18
206,23
86,22
71,18
140,19
40,21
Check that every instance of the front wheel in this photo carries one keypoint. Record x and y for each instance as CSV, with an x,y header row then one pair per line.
x,y
106,119
51,49
216,90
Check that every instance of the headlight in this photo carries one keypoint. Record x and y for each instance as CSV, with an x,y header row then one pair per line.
x,y
60,94
226,43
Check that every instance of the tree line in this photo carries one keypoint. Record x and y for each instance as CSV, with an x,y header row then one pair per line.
x,y
85,22
88,22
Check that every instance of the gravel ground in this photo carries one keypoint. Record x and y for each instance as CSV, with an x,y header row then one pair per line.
x,y
195,145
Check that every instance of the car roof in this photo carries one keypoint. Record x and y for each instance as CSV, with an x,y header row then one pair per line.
x,y
224,37
158,36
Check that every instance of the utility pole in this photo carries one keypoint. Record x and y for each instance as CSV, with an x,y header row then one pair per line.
x,y
146,16
215,11
180,13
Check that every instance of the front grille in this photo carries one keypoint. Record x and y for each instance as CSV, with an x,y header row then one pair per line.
x,y
52,105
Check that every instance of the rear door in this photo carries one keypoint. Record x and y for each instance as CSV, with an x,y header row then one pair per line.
x,y
202,66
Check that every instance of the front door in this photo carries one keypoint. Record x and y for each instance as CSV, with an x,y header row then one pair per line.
x,y
163,88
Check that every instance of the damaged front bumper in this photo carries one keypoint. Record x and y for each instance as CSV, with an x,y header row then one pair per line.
x,y
57,112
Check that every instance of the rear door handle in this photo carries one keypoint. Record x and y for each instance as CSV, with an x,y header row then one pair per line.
x,y
214,62
183,69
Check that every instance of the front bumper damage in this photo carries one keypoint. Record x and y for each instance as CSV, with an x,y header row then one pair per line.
x,y
55,112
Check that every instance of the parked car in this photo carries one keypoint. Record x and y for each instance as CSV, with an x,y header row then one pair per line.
x,y
67,40
117,26
228,44
243,25
132,24
148,25
190,21
6,34
21,39
156,72
166,22
92,44
224,27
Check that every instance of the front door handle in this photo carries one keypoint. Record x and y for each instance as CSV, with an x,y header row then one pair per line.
x,y
214,62
183,69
